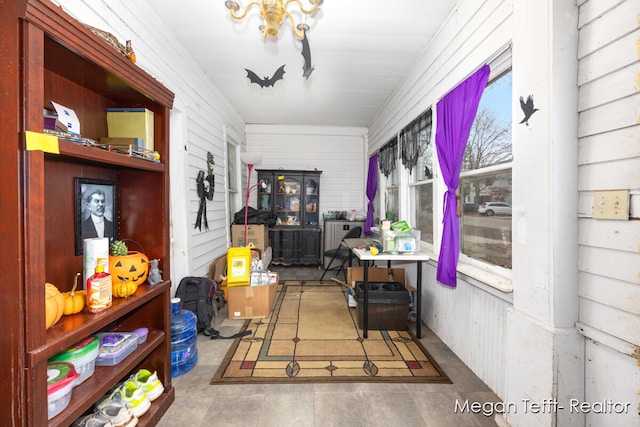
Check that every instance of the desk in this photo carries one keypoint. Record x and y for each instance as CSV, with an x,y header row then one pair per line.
x,y
364,255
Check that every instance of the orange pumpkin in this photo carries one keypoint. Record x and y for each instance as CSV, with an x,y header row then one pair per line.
x,y
133,267
124,289
54,305
74,300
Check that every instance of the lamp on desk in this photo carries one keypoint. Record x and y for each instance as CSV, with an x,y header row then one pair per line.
x,y
250,159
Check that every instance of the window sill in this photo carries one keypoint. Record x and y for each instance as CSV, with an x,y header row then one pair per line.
x,y
493,283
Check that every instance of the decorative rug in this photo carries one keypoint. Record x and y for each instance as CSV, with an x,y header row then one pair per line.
x,y
313,336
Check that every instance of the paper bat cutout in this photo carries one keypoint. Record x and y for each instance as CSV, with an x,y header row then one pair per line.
x,y
267,81
306,54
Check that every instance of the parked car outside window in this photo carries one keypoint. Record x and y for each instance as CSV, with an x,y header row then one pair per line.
x,y
494,208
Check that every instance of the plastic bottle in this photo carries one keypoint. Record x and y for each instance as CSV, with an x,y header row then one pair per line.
x,y
184,351
99,289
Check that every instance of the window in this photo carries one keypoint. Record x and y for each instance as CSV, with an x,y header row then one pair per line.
x,y
485,180
387,165
421,176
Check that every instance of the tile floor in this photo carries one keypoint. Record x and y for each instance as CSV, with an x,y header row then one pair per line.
x,y
200,404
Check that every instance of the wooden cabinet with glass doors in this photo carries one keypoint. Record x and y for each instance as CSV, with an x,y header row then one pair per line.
x,y
293,196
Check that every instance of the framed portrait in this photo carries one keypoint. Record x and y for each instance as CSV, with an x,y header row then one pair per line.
x,y
96,210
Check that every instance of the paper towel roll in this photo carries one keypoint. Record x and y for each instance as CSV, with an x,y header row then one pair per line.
x,y
95,249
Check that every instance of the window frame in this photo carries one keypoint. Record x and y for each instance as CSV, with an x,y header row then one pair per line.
x,y
413,184
501,65
233,165
490,274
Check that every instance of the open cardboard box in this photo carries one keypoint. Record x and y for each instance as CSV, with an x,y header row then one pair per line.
x,y
251,302
376,274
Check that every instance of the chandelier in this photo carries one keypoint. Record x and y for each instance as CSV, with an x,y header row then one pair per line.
x,y
273,13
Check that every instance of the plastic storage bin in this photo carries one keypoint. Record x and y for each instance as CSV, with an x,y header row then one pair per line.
x,y
115,346
61,377
184,333
388,306
401,242
83,357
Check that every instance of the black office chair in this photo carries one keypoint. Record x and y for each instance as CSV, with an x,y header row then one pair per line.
x,y
341,253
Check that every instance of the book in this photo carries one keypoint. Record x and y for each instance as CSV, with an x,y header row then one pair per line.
x,y
125,142
131,123
71,137
66,119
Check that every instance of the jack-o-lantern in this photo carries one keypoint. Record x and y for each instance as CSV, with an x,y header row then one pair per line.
x,y
132,267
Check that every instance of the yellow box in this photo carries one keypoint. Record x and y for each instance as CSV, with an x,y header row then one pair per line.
x,y
238,266
251,302
131,123
257,234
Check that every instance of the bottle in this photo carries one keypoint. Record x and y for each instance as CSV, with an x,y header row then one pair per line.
x,y
184,333
99,289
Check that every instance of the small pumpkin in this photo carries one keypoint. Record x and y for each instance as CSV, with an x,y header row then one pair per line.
x,y
54,304
124,288
74,300
133,267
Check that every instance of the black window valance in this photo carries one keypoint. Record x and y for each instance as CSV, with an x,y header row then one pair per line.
x,y
414,139
387,156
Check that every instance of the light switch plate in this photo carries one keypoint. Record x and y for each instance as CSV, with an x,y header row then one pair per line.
x,y
612,204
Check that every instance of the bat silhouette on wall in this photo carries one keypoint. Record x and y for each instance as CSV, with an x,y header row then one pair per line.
x,y
267,81
527,109
306,54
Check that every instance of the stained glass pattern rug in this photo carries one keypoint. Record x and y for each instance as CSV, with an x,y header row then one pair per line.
x,y
313,336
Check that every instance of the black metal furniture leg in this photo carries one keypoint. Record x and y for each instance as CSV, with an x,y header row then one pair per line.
x,y
419,300
365,316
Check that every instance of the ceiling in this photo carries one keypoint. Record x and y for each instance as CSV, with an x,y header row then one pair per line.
x,y
360,50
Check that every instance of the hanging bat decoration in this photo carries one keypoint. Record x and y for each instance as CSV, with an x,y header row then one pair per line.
x,y
527,109
267,81
307,69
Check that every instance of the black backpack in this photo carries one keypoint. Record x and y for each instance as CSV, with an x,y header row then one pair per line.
x,y
197,295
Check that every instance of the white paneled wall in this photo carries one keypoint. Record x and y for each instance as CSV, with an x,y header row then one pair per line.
x,y
609,159
339,152
472,322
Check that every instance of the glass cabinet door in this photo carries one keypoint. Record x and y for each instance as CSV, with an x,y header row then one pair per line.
x,y
288,200
265,197
311,201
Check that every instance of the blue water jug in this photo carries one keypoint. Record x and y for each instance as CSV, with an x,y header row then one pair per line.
x,y
184,333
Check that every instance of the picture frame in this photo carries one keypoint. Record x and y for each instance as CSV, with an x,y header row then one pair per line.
x,y
100,198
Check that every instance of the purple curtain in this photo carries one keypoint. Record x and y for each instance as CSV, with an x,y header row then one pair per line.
x,y
372,187
455,115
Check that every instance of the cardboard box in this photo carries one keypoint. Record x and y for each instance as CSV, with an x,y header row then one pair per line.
x,y
376,274
388,308
131,123
251,302
258,234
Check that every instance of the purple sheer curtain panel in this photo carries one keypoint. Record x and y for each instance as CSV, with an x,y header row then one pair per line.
x,y
455,115
372,187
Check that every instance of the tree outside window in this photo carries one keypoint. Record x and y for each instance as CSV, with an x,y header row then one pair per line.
x,y
486,178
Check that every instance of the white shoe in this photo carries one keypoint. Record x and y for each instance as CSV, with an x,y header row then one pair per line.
x,y
352,301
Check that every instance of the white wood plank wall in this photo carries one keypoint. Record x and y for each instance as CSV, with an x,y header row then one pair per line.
x,y
472,322
337,151
609,159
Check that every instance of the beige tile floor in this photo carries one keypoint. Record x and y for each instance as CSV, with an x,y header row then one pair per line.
x,y
200,404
